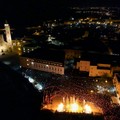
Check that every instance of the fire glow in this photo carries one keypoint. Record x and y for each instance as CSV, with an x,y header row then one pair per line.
x,y
73,106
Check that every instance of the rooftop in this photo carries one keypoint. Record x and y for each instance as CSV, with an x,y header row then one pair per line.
x,y
47,54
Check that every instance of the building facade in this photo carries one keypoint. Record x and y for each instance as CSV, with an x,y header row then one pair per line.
x,y
42,65
47,61
83,65
98,69
116,83
6,45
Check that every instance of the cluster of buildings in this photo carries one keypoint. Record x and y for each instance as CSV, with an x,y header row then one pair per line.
x,y
59,61
98,69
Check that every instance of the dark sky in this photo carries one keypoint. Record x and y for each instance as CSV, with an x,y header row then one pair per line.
x,y
20,12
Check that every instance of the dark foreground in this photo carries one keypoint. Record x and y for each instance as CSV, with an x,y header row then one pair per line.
x,y
48,115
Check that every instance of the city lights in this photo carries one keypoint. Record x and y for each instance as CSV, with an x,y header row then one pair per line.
x,y
71,61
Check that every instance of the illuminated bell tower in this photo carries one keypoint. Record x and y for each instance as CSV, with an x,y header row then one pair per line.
x,y
8,33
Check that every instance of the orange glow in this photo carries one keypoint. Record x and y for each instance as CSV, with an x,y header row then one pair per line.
x,y
74,107
72,104
87,109
60,107
69,104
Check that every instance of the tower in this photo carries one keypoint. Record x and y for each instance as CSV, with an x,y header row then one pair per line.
x,y
8,34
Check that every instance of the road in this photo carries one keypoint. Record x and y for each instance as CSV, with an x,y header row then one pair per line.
x,y
11,60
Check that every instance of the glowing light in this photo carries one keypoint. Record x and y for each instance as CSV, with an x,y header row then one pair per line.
x,y
60,107
38,86
32,63
19,49
18,43
106,81
91,91
31,80
72,104
7,62
69,105
47,65
87,109
74,107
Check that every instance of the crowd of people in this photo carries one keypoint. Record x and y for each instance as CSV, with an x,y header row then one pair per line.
x,y
83,88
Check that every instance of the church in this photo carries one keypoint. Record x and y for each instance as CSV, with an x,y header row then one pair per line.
x,y
6,43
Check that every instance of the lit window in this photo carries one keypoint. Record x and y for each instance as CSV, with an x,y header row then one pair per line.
x,y
18,43
47,65
19,49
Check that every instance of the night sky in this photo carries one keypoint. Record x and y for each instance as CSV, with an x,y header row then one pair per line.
x,y
23,12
